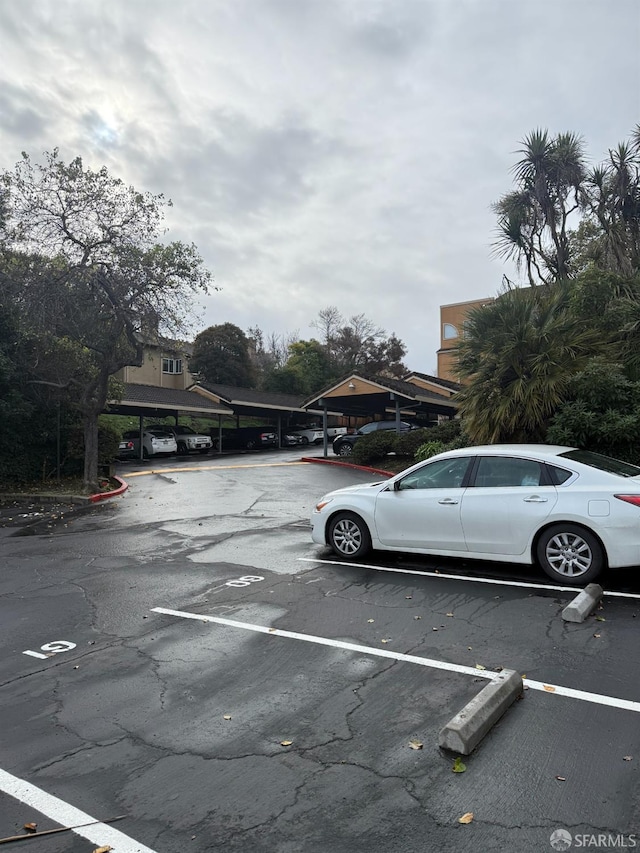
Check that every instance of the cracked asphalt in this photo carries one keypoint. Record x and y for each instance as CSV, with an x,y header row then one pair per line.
x,y
180,724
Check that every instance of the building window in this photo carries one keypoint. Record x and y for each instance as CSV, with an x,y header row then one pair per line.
x,y
172,365
449,332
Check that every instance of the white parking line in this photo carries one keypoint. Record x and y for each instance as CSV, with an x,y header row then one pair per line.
x,y
66,815
324,641
556,689
474,579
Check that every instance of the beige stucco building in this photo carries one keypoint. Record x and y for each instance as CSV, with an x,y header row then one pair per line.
x,y
165,365
452,322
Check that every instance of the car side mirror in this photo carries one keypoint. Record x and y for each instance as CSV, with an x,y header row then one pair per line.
x,y
396,486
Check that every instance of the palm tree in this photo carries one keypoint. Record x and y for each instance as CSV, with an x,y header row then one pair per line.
x,y
533,219
516,358
614,200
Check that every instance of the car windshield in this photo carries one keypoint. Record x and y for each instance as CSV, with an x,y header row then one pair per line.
x,y
186,430
603,463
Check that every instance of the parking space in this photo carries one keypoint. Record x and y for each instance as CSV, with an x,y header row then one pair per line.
x,y
227,685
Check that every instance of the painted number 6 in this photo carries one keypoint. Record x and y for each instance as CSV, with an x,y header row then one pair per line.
x,y
245,580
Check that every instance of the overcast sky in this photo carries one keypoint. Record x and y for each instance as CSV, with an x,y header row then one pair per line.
x,y
321,152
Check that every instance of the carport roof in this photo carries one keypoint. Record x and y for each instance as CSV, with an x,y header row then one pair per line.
x,y
250,401
361,395
435,380
152,401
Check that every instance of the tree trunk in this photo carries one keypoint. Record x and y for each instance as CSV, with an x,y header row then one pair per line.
x,y
90,479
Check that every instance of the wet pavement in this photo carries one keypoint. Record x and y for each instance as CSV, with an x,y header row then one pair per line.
x,y
224,735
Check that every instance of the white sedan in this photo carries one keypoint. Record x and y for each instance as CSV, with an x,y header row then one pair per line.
x,y
572,511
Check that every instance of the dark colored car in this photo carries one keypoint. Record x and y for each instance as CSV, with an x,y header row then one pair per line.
x,y
245,438
343,444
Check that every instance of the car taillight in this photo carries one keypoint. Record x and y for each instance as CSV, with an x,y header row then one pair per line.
x,y
129,445
630,499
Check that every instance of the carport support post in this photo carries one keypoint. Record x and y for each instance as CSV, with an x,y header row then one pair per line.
x,y
141,447
393,397
325,438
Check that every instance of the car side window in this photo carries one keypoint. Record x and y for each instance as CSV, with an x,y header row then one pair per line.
x,y
501,471
558,475
441,474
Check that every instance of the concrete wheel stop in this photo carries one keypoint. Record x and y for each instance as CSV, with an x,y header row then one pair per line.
x,y
583,604
465,731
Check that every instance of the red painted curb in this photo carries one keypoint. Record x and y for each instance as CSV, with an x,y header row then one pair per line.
x,y
324,461
101,496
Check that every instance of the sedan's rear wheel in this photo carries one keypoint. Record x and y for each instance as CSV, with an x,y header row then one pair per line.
x,y
305,440
571,554
345,449
349,536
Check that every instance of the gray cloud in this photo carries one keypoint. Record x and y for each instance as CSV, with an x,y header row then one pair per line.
x,y
321,151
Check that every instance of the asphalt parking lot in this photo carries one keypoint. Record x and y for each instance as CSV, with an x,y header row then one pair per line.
x,y
186,657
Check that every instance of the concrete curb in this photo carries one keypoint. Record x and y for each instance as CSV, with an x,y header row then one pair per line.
x,y
101,496
465,731
583,604
323,461
54,498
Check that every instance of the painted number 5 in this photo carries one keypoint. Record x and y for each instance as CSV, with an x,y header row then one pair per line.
x,y
52,649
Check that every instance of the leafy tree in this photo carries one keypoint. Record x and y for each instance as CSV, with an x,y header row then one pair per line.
x,y
221,356
601,412
516,359
358,344
93,280
286,380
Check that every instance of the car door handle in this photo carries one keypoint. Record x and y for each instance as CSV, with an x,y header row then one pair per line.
x,y
535,499
448,502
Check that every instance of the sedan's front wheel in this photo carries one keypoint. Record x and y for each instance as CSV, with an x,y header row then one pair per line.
x,y
345,450
571,554
349,536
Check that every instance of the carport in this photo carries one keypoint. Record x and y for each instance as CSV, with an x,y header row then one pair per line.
x,y
377,397
251,403
150,401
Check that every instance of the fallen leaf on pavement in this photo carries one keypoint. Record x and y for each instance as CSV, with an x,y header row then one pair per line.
x,y
449,614
458,766
466,818
286,742
627,758
480,666
371,620
549,688
561,778
104,849
227,717
31,827
416,744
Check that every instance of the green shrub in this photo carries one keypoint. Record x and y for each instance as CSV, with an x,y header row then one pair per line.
x,y
447,431
406,443
373,447
428,449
